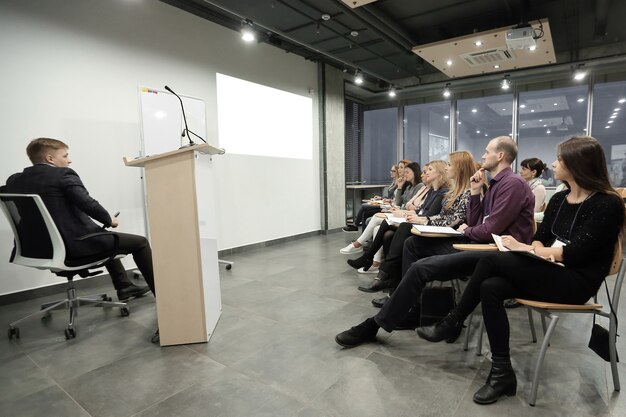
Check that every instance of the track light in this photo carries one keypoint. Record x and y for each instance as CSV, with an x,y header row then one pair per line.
x,y
358,77
446,91
505,84
392,92
247,33
579,75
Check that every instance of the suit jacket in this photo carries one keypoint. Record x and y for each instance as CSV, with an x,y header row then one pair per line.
x,y
69,204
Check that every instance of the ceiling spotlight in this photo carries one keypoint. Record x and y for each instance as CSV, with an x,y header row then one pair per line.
x,y
478,43
580,75
446,117
532,48
532,110
474,110
522,106
247,34
617,109
496,66
478,131
580,100
392,92
613,116
449,62
621,100
326,16
446,91
505,84
548,131
610,121
607,127
358,78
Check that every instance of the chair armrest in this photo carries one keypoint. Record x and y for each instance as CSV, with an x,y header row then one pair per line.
x,y
488,247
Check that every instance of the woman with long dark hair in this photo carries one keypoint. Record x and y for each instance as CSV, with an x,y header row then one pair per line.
x,y
580,230
531,170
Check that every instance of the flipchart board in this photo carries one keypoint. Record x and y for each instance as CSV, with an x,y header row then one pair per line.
x,y
162,120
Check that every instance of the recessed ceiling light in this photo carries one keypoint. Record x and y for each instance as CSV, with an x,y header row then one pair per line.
x,y
621,100
532,47
617,109
548,131
474,110
532,110
522,106
449,62
496,66
580,100
478,43
610,121
579,75
503,109
613,116
607,127
545,125
540,120
446,117
523,124
555,104
478,131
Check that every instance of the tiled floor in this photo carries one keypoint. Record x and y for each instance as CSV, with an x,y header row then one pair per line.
x,y
273,354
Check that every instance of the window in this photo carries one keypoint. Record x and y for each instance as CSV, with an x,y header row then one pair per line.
x,y
427,132
354,122
546,118
609,127
481,119
380,132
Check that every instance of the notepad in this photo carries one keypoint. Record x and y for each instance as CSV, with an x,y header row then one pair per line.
x,y
502,248
442,230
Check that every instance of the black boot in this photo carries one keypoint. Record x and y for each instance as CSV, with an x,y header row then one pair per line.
x,y
501,381
361,262
448,329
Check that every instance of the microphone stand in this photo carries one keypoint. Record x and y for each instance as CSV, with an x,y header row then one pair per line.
x,y
191,142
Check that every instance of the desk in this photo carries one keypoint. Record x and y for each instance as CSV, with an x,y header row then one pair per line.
x,y
356,202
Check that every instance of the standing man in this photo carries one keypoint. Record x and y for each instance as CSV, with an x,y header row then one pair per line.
x,y
507,208
72,209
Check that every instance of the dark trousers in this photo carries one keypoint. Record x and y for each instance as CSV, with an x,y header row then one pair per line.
x,y
365,212
418,247
499,276
433,268
139,247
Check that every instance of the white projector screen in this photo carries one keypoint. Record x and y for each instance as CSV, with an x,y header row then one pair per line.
x,y
257,120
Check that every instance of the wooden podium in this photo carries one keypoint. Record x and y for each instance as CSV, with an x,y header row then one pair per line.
x,y
183,233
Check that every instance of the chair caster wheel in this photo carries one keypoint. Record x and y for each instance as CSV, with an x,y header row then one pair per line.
x,y
106,298
70,334
125,311
14,331
229,267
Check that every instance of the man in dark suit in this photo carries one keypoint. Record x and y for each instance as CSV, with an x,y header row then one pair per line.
x,y
72,209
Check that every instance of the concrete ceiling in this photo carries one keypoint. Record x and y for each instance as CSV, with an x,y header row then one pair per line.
x,y
378,37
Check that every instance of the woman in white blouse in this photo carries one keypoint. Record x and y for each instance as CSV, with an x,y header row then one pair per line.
x,y
531,169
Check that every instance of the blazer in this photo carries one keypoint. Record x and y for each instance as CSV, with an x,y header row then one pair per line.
x,y
69,204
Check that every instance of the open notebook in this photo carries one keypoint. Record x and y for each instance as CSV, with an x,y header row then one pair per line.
x,y
502,248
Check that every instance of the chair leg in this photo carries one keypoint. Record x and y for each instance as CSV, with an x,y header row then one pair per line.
x,y
613,353
467,332
531,323
99,302
540,359
479,343
42,312
543,324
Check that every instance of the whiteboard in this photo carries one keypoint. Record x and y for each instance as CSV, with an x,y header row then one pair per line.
x,y
162,120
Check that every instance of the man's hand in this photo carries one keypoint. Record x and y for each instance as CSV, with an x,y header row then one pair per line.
x,y
114,222
476,181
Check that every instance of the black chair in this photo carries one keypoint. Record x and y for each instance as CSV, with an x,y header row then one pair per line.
x,y
38,244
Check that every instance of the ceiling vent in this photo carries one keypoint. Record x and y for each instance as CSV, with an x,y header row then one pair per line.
x,y
493,57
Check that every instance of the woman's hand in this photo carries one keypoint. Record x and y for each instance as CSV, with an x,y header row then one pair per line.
x,y
401,182
511,243
398,213
413,218
410,206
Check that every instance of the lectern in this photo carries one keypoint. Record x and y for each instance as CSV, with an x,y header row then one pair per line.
x,y
183,233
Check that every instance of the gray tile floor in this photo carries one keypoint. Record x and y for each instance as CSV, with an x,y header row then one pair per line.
x,y
273,354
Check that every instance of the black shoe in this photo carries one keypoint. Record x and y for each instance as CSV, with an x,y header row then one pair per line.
x,y
378,285
380,302
350,228
156,338
357,335
511,303
361,262
448,329
501,381
131,290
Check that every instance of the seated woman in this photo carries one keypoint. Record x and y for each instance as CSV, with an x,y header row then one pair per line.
x,y
410,187
531,170
368,210
580,230
460,169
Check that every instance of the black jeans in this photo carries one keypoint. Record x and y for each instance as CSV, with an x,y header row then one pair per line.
x,y
418,247
139,247
433,268
499,276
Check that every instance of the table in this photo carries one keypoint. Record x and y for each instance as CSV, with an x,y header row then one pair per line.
x,y
359,188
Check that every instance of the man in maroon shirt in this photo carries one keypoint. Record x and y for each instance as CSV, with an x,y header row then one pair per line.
x,y
507,208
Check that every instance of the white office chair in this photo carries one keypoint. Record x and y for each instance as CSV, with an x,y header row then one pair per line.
x,y
38,244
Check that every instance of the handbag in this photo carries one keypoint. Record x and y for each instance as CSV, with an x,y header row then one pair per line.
x,y
599,341
436,303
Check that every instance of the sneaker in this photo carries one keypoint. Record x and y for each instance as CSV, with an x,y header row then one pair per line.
x,y
357,335
350,228
371,270
350,249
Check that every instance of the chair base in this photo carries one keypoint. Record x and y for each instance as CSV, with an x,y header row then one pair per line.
x,y
72,303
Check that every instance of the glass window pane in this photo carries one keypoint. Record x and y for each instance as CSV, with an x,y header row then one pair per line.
x,y
380,129
427,132
481,119
546,118
609,127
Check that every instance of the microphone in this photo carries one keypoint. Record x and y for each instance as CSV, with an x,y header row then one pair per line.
x,y
184,117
